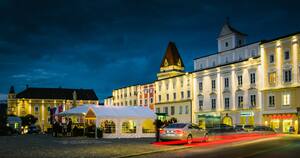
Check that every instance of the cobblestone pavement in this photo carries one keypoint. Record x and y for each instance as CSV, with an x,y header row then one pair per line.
x,y
75,147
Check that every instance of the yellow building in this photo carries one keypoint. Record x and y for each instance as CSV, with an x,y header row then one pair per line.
x,y
281,85
38,101
174,87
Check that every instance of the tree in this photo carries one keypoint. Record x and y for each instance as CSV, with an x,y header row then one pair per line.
x,y
28,120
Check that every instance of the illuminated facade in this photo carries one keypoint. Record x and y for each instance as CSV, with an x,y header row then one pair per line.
x,y
227,83
38,101
174,87
136,95
281,85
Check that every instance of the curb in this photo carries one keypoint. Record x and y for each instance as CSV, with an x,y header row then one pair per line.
x,y
153,152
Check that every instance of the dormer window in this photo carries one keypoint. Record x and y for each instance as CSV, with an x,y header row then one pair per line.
x,y
286,55
271,58
226,44
240,42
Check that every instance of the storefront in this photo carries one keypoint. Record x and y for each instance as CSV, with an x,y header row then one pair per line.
x,y
247,118
282,122
208,120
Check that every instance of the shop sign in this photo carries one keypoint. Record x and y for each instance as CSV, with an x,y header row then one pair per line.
x,y
247,113
283,116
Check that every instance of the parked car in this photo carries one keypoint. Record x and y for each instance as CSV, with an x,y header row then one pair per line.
x,y
243,127
33,129
183,131
221,128
264,130
15,123
7,131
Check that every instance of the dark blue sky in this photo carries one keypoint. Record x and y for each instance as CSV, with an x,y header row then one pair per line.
x,y
109,44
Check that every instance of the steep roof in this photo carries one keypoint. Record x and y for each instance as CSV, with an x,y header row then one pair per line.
x,y
57,93
227,29
172,56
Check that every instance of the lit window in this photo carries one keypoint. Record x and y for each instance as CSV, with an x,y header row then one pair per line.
x,y
272,78
286,98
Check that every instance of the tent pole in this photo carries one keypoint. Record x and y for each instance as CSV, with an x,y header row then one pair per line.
x,y
83,125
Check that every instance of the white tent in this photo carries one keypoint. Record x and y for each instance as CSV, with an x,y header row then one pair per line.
x,y
118,121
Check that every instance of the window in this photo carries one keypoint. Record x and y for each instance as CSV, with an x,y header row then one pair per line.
x,y
172,110
157,110
180,109
240,42
186,109
252,78
213,84
286,55
36,108
174,96
151,100
226,102
287,75
286,98
182,95
200,86
181,83
271,101
167,97
159,98
141,102
146,102
226,81
240,101
213,104
159,88
188,94
108,126
253,53
167,86
134,102
166,110
200,104
129,127
226,44
253,100
272,78
240,80
271,58
130,102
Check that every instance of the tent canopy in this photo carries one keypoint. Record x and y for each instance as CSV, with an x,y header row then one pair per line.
x,y
111,112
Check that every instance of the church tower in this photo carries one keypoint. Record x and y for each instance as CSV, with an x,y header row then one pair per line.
x,y
11,102
171,64
230,38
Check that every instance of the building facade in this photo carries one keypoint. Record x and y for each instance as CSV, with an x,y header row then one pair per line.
x,y
281,85
39,101
227,83
174,87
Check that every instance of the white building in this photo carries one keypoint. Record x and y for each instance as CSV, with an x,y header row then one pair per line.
x,y
227,83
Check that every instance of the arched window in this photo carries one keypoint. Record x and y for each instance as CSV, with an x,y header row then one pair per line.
x,y
108,126
129,127
148,126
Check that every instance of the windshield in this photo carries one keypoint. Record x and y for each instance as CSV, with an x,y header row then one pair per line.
x,y
176,125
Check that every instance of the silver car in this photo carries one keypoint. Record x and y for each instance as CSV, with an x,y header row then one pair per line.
x,y
186,132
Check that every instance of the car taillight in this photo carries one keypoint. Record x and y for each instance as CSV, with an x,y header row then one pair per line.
x,y
162,131
179,131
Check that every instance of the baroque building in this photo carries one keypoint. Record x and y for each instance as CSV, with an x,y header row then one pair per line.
x,y
280,60
227,82
39,101
174,87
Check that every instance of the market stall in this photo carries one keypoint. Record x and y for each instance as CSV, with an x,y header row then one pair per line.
x,y
117,121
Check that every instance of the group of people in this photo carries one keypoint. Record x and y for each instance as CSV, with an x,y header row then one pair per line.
x,y
62,128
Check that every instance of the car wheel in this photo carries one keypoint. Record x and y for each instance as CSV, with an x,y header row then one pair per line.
x,y
189,139
205,138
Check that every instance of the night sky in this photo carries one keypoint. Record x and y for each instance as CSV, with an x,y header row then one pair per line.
x,y
104,45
